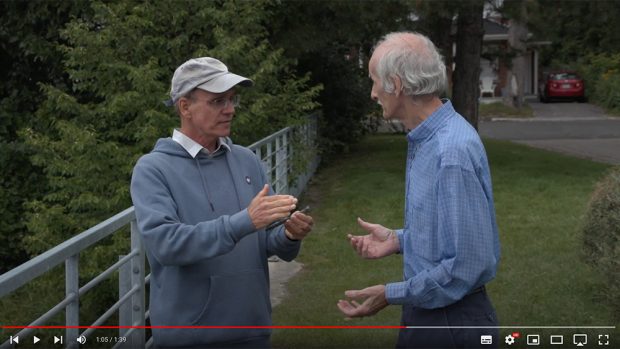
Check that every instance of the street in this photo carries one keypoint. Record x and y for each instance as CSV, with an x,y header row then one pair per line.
x,y
579,129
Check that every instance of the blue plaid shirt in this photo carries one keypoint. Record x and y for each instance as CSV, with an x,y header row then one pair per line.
x,y
450,242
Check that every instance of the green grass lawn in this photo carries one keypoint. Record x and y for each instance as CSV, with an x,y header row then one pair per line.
x,y
500,110
540,200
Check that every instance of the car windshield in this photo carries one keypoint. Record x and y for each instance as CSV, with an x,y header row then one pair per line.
x,y
564,76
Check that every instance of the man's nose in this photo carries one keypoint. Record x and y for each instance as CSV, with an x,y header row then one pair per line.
x,y
373,95
229,108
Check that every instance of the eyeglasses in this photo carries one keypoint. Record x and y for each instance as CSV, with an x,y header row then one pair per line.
x,y
223,102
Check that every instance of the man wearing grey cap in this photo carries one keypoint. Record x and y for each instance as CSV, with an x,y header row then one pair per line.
x,y
203,207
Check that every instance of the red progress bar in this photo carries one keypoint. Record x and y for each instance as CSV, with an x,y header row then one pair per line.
x,y
209,327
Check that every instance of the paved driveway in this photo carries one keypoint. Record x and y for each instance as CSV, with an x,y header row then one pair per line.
x,y
567,111
579,129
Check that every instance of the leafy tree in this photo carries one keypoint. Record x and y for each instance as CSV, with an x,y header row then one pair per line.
x,y
575,29
332,40
28,56
119,62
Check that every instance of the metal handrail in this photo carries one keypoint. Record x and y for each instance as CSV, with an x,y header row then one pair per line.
x,y
17,277
108,272
111,311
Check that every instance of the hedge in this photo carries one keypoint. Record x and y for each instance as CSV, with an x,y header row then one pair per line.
x,y
601,234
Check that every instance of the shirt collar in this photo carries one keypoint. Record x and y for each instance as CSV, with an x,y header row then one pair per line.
x,y
429,126
192,147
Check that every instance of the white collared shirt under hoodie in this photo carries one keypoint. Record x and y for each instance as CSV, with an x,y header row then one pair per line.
x,y
193,147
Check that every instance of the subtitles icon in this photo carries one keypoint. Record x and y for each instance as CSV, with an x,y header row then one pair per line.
x,y
580,339
533,339
556,339
486,339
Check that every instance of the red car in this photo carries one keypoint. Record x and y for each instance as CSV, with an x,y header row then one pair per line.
x,y
562,85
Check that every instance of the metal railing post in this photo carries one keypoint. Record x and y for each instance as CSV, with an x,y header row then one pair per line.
x,y
137,280
281,180
124,285
270,174
290,170
72,312
285,157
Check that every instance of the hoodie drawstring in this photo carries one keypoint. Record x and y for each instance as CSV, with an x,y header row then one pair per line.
x,y
204,184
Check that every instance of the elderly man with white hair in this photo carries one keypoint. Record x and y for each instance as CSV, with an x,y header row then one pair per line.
x,y
449,242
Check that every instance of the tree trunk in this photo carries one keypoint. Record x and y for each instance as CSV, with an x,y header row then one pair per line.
x,y
517,35
465,88
437,27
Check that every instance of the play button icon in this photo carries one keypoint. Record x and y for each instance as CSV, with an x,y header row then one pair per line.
x,y
35,339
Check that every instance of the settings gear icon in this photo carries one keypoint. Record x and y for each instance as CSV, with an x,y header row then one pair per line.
x,y
510,340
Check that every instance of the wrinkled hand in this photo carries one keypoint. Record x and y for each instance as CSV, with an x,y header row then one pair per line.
x,y
374,302
266,208
380,241
298,226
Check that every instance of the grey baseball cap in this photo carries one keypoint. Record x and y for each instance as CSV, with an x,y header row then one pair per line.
x,y
205,73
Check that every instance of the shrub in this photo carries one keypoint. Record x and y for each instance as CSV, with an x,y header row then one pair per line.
x,y
602,78
601,234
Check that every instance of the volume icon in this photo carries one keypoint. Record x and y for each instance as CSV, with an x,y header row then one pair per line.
x,y
81,339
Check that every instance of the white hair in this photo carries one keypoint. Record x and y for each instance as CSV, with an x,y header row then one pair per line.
x,y
420,67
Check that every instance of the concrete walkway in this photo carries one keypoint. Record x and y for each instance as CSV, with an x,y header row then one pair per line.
x,y
279,273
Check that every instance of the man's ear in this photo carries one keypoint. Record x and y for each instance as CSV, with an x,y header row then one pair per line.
x,y
184,104
398,84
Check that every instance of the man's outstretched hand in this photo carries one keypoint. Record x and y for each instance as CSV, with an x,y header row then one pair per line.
x,y
374,302
380,241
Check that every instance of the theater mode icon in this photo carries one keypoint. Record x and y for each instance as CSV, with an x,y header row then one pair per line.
x,y
556,339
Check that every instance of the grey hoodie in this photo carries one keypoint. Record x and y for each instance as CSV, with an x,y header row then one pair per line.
x,y
208,262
